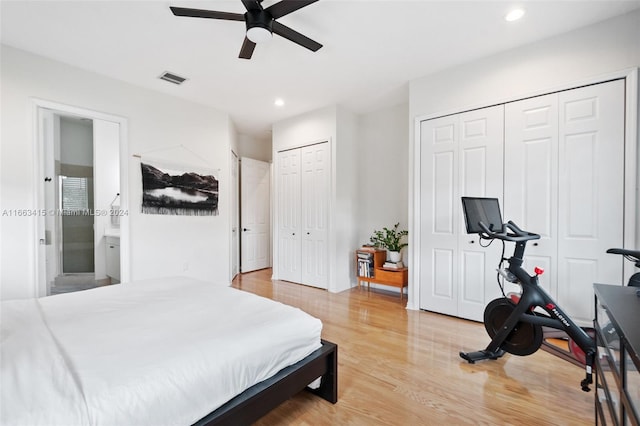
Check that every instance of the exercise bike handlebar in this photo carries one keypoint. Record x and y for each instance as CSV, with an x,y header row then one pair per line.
x,y
516,234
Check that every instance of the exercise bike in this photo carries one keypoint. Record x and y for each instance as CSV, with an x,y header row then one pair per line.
x,y
516,324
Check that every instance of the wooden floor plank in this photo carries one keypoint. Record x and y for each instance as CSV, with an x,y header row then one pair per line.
x,y
400,367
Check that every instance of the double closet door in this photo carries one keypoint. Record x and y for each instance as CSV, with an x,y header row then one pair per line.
x,y
556,162
303,211
564,180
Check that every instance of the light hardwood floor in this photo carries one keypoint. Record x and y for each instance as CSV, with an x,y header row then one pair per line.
x,y
400,367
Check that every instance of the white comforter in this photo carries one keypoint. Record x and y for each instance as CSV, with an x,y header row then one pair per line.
x,y
157,352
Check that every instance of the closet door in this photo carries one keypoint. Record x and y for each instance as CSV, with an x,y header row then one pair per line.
x,y
480,175
591,185
440,215
289,228
564,165
531,180
461,155
315,212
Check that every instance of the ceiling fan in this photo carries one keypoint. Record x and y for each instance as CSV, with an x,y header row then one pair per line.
x,y
260,22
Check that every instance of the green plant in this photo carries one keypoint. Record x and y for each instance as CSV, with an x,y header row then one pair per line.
x,y
389,238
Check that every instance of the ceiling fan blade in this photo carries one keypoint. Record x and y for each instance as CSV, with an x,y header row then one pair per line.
x,y
285,7
247,49
294,36
211,14
252,4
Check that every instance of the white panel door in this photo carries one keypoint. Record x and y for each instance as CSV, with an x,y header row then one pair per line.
x,y
461,155
440,214
591,185
106,179
480,170
531,180
254,214
289,228
316,180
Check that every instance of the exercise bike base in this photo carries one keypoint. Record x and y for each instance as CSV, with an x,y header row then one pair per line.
x,y
472,357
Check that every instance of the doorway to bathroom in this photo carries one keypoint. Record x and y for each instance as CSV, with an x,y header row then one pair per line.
x,y
80,195
74,201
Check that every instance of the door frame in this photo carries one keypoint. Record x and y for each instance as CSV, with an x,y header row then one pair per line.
x,y
631,237
40,282
234,245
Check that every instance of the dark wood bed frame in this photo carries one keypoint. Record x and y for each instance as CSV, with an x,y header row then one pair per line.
x,y
263,397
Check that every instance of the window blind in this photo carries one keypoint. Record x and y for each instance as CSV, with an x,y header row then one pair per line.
x,y
75,194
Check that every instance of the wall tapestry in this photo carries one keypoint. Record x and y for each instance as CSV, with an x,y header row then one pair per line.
x,y
178,192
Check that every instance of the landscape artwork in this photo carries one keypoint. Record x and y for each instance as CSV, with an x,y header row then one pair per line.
x,y
173,192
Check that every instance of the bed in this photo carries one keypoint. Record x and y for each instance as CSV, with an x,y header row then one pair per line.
x,y
172,351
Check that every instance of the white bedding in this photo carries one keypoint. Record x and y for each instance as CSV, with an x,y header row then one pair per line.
x,y
156,352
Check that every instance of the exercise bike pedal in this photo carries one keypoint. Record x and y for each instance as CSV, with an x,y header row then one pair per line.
x,y
472,357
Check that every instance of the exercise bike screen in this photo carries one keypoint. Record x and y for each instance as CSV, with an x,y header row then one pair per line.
x,y
485,210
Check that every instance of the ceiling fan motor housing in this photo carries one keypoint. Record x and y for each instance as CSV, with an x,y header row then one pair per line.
x,y
258,18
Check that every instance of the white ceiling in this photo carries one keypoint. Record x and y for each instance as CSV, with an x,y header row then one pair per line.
x,y
371,48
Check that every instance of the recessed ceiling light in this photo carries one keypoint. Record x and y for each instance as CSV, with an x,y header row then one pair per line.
x,y
279,102
514,15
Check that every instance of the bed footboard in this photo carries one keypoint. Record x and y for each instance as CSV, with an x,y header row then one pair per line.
x,y
263,397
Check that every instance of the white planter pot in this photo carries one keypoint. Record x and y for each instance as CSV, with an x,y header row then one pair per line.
x,y
394,256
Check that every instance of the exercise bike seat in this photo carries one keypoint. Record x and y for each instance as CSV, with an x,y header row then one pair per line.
x,y
625,252
634,256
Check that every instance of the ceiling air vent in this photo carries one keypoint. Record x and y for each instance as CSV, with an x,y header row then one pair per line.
x,y
172,78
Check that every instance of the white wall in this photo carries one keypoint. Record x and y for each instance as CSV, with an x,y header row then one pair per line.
x,y
315,126
233,136
159,245
258,149
573,57
539,67
382,158
383,155
77,141
346,198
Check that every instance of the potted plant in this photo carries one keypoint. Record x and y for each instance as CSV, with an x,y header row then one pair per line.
x,y
390,239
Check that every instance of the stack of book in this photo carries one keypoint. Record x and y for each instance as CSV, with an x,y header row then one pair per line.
x,y
393,265
365,264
